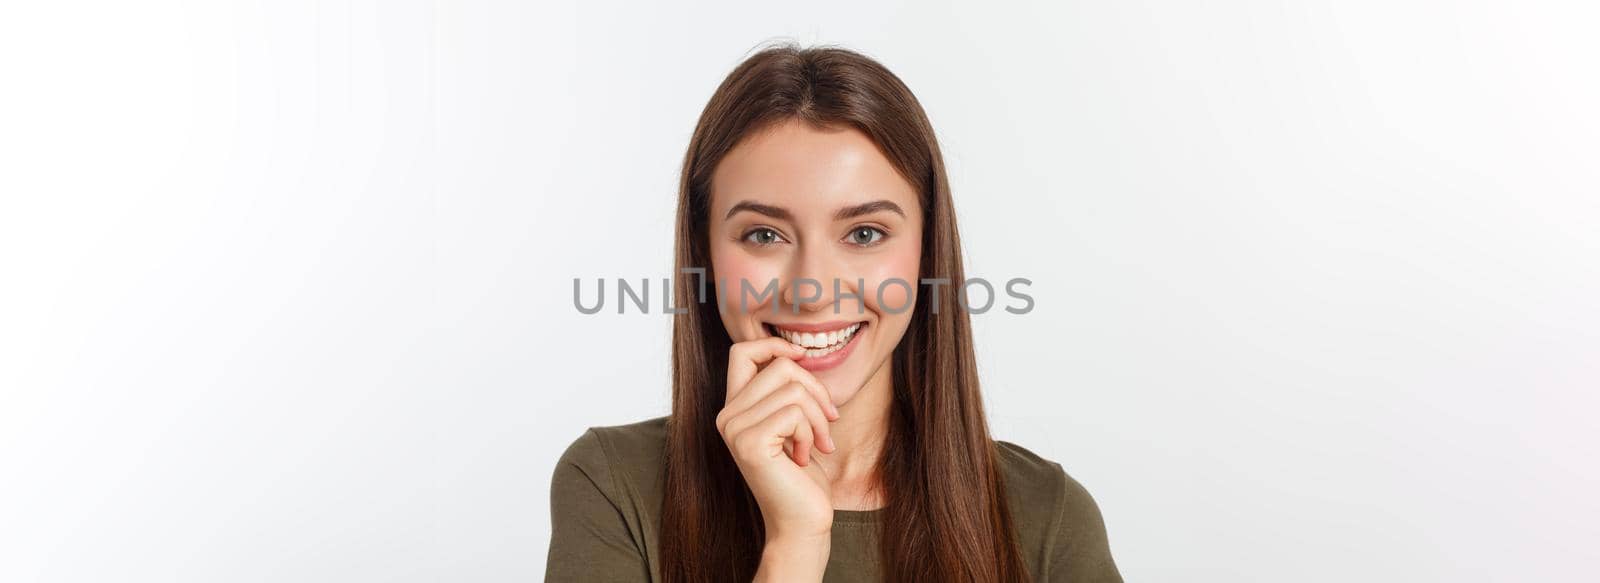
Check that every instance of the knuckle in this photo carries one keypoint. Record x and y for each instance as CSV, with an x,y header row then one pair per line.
x,y
742,442
785,366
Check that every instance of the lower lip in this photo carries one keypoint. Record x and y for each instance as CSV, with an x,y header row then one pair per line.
x,y
832,359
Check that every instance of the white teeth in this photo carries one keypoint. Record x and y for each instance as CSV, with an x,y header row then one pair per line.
x,y
821,343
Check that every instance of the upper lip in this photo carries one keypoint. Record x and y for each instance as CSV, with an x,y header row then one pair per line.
x,y
814,328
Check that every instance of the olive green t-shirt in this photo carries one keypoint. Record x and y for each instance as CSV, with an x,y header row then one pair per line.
x,y
605,504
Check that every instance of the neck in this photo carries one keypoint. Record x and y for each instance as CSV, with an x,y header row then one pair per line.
x,y
859,436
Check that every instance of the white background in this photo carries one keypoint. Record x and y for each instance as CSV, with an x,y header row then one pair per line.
x,y
287,286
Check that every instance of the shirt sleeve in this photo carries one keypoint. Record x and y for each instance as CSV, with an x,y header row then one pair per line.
x,y
1080,551
589,538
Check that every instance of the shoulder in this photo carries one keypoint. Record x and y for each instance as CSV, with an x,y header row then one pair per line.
x,y
634,442
1054,513
1027,472
1039,482
603,499
1059,524
623,461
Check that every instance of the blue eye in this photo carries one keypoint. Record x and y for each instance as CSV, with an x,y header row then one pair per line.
x,y
865,236
763,236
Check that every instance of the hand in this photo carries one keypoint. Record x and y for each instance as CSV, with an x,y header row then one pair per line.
x,y
771,422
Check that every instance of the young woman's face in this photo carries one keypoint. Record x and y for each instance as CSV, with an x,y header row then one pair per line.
x,y
826,220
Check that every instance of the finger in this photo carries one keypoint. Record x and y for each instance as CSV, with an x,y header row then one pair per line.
x,y
792,394
744,358
769,436
779,372
790,422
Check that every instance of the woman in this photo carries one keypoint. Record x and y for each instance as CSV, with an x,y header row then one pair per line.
x,y
826,419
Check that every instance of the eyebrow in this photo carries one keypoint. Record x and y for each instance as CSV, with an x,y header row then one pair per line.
x,y
762,209
844,213
851,212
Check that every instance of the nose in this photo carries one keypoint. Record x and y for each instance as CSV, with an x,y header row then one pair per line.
x,y
810,285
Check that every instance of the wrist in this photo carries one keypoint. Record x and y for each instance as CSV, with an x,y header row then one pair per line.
x,y
794,558
796,542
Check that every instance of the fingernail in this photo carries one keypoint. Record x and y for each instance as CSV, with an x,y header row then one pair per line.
x,y
829,439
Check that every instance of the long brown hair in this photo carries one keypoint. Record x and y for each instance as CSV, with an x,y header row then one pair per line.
x,y
946,503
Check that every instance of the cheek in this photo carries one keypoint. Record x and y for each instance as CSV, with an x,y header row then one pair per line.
x,y
881,275
730,266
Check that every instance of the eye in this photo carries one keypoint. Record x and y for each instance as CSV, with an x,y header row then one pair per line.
x,y
762,236
865,236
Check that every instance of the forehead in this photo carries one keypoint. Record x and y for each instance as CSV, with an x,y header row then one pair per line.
x,y
810,171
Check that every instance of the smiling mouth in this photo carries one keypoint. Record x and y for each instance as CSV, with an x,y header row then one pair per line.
x,y
817,344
